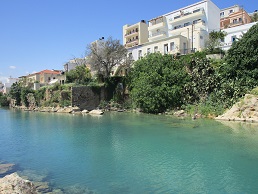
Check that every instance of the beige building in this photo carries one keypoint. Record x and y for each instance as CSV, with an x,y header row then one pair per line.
x,y
136,34
233,16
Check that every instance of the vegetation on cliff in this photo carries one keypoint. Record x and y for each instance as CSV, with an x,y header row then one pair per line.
x,y
195,83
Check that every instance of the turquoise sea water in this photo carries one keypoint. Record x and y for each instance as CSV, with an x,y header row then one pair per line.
x,y
133,153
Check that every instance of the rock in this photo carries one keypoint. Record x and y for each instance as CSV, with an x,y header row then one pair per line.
x,y
96,112
42,187
180,113
245,110
85,111
5,168
13,183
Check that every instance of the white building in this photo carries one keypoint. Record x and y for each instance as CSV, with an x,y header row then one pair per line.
x,y
181,31
235,33
8,84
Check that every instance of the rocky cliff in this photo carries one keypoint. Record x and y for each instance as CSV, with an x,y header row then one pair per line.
x,y
245,110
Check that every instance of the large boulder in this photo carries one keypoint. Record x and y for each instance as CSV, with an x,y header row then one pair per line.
x,y
96,112
13,183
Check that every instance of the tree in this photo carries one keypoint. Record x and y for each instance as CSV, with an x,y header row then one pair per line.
x,y
157,83
254,17
105,54
3,100
15,93
215,37
80,75
239,73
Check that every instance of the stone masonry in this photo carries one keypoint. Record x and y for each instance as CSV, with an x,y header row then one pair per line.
x,y
86,97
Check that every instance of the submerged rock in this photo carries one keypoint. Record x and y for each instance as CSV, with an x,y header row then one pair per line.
x,y
13,183
5,168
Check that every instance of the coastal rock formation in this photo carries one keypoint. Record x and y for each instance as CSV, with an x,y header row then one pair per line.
x,y
245,110
13,183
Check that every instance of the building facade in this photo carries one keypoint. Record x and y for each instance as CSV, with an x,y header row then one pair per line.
x,y
181,31
234,33
136,34
233,16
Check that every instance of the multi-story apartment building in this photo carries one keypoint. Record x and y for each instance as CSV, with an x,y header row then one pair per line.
x,y
181,31
136,34
233,16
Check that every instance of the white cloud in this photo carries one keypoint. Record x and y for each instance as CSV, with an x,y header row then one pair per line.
x,y
12,67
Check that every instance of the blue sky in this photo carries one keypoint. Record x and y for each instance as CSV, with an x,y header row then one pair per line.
x,y
44,34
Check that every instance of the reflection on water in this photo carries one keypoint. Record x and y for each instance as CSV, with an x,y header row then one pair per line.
x,y
132,153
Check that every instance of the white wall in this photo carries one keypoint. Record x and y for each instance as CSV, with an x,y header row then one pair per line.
x,y
237,32
213,17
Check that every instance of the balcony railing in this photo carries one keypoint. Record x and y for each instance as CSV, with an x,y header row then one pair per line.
x,y
131,32
183,15
157,34
195,23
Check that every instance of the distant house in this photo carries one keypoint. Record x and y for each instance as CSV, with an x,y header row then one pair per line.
x,y
42,78
8,84
233,16
73,63
234,33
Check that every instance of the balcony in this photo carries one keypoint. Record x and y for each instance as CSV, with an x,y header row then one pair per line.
x,y
132,43
179,29
236,23
133,32
156,23
157,35
156,26
187,16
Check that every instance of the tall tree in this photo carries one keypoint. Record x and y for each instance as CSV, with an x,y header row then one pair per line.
x,y
106,54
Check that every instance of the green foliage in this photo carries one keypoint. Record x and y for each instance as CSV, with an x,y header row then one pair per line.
x,y
3,100
79,75
157,83
212,45
24,92
254,91
202,80
239,73
15,93
254,17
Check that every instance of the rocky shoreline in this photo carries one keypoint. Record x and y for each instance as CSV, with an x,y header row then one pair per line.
x,y
31,182
246,110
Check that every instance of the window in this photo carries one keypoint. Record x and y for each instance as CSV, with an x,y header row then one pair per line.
x,y
139,54
148,50
222,14
231,11
233,38
186,24
172,46
156,48
234,21
177,27
240,20
165,48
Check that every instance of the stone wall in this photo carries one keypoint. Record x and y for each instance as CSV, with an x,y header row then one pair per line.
x,y
86,97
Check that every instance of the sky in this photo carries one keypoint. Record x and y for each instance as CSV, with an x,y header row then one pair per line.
x,y
44,34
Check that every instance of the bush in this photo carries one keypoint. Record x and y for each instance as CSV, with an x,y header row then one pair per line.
x,y
3,100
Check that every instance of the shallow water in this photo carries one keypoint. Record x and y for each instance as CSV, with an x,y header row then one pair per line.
x,y
132,153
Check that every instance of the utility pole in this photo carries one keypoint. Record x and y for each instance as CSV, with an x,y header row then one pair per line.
x,y
192,37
